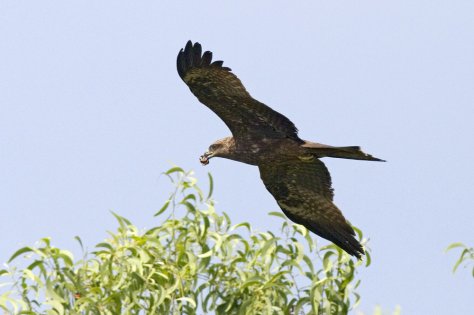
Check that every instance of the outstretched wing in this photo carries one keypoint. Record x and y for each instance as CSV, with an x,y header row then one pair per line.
x,y
303,191
219,89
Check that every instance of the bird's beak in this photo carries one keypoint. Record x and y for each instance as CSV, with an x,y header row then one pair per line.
x,y
204,159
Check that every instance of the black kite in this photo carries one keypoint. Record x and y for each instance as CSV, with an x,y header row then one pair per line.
x,y
289,166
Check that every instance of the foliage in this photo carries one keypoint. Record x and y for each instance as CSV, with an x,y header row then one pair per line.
x,y
196,261
466,257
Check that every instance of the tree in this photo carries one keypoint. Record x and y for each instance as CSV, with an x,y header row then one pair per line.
x,y
195,261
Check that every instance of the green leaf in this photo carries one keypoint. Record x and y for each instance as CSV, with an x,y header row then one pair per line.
x,y
19,252
268,246
206,254
277,214
190,207
299,251
309,263
189,300
46,241
78,239
460,260
105,245
122,220
300,229
255,280
165,206
454,245
358,232
211,185
67,257
244,224
37,263
368,258
175,169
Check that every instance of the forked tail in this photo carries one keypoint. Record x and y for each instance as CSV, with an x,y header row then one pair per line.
x,y
352,152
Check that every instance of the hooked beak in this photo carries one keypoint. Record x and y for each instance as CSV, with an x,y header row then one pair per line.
x,y
204,159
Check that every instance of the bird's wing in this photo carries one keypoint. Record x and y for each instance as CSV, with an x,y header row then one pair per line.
x,y
303,191
219,89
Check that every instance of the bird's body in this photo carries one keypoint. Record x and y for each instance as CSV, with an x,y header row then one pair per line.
x,y
261,150
289,166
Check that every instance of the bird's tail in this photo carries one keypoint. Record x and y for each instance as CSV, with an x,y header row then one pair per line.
x,y
352,152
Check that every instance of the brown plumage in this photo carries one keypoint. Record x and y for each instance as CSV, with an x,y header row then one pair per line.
x,y
289,166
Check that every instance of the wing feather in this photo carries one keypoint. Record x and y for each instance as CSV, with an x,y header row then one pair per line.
x,y
197,60
206,58
303,191
219,89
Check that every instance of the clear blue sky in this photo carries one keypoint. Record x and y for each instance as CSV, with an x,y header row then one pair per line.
x,y
92,111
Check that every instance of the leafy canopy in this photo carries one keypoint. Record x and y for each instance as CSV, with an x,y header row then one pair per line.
x,y
194,261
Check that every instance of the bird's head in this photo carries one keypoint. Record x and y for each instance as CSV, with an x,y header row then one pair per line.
x,y
220,148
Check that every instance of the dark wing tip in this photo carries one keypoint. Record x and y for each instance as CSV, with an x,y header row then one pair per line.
x,y
181,63
355,249
192,57
343,235
373,158
345,239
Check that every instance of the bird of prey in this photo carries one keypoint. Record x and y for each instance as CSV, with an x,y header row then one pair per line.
x,y
290,167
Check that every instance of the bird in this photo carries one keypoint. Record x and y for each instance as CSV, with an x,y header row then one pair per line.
x,y
290,167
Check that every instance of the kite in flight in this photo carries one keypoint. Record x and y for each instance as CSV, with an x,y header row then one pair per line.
x,y
290,167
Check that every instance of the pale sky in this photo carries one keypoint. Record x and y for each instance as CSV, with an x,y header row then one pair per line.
x,y
92,110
